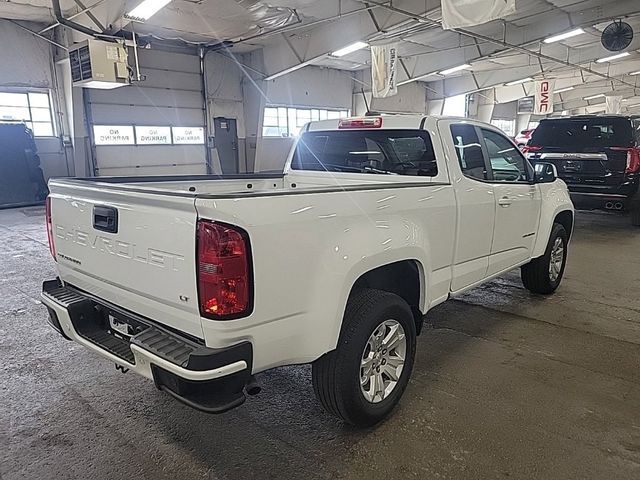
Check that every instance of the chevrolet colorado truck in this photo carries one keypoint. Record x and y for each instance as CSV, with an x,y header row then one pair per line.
x,y
200,283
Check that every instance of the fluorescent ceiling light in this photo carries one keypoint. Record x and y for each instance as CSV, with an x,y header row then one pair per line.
x,y
635,73
415,79
455,69
350,49
593,97
102,85
613,57
564,36
517,82
564,89
147,9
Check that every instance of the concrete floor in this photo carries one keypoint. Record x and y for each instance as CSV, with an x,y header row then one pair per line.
x,y
506,384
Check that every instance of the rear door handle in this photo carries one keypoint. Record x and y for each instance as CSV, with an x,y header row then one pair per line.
x,y
505,201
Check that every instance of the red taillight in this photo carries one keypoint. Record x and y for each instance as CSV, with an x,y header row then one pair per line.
x,y
52,245
633,159
530,149
224,271
367,122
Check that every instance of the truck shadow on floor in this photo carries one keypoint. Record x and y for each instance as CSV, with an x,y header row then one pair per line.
x,y
284,432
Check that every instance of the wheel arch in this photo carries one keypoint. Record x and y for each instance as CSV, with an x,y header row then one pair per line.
x,y
566,219
404,278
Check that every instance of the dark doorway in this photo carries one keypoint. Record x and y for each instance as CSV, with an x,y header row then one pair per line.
x,y
226,143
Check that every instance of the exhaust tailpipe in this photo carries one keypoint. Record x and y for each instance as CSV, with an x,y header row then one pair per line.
x,y
618,205
609,205
252,387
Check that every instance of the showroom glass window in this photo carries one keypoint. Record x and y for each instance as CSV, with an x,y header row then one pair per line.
x,y
287,121
507,163
31,108
507,126
398,152
469,151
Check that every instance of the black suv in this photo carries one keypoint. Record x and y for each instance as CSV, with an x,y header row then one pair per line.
x,y
597,156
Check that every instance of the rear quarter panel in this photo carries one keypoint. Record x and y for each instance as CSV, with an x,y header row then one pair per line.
x,y
308,250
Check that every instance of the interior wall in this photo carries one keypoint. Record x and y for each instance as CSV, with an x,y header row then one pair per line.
x,y
311,87
505,111
27,63
225,98
307,87
254,100
411,98
170,95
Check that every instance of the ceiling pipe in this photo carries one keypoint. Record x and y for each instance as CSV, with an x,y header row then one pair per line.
x,y
57,12
71,17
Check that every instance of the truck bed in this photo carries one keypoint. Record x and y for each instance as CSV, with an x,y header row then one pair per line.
x,y
189,185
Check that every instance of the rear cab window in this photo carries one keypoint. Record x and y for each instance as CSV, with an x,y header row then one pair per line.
x,y
397,152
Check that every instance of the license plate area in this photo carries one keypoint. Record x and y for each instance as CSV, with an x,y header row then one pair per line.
x,y
121,326
106,328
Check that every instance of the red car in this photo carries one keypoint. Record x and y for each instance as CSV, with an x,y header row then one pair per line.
x,y
523,137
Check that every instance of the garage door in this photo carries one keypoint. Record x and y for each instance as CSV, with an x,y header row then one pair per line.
x,y
154,127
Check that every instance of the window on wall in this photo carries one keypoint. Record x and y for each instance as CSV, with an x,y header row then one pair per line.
x,y
287,121
455,106
507,126
30,108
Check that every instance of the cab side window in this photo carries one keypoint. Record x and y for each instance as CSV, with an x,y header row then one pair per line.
x,y
469,151
507,163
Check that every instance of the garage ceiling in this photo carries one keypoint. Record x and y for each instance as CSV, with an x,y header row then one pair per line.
x,y
297,33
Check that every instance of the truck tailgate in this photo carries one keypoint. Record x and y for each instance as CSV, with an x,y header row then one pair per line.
x,y
135,249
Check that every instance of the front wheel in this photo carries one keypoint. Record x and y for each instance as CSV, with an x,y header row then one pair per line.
x,y
544,274
363,379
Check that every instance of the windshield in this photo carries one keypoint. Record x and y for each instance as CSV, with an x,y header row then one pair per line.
x,y
583,133
403,152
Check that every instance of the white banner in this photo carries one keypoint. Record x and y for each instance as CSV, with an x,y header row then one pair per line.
x,y
384,65
466,13
613,105
543,103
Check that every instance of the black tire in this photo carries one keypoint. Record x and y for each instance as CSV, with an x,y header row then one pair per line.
x,y
635,217
336,375
535,274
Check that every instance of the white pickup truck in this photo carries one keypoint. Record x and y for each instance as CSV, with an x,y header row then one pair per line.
x,y
199,283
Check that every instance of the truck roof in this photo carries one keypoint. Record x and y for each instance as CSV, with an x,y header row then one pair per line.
x,y
396,121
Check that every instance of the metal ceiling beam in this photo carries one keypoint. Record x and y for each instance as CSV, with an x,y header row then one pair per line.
x,y
317,43
71,17
36,34
507,46
91,16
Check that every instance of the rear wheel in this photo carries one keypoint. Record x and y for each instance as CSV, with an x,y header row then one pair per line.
x,y
363,379
635,217
544,274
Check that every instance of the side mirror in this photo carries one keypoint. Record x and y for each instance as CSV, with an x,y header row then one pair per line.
x,y
545,172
